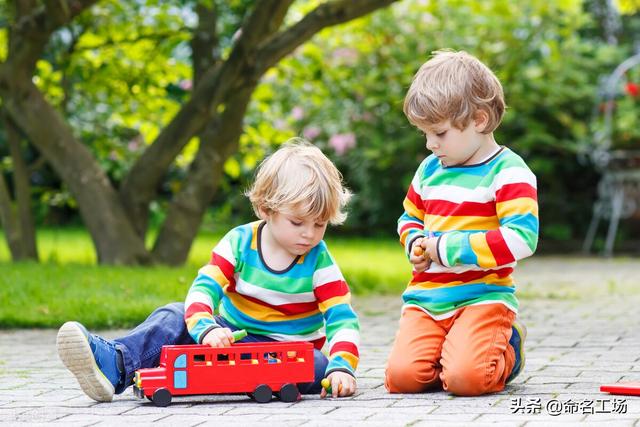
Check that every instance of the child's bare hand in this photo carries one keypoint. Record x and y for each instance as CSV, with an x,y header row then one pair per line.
x,y
342,385
418,256
218,337
431,248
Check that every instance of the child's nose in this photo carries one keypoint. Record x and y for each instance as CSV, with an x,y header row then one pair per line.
x,y
432,145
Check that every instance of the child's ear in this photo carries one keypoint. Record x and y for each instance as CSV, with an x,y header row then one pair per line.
x,y
264,215
481,120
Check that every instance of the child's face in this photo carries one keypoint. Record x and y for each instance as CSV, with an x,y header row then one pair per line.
x,y
294,232
455,147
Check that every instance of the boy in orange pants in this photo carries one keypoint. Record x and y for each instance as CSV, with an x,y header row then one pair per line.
x,y
470,213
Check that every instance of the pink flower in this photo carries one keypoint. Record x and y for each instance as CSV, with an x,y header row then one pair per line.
x,y
135,143
279,124
311,132
297,113
342,142
346,55
186,85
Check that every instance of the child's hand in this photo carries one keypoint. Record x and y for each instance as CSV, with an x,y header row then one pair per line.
x,y
418,257
342,385
431,248
218,337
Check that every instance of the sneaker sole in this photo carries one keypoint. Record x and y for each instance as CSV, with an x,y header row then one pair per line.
x,y
76,354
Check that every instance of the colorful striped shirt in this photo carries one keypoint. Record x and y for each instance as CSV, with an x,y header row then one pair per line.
x,y
308,301
485,217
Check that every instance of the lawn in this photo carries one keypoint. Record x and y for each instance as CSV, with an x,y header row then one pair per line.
x,y
69,285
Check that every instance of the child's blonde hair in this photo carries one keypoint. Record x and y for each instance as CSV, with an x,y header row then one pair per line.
x,y
454,86
299,178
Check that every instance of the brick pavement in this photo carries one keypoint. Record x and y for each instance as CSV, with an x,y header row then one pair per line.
x,y
583,322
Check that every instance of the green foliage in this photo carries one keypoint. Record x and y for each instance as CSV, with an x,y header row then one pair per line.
x,y
345,91
123,69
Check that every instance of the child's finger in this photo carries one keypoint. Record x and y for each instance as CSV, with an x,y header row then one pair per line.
x,y
225,341
347,390
336,388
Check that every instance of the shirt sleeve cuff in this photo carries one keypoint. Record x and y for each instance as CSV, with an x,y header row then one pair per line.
x,y
206,331
441,250
346,371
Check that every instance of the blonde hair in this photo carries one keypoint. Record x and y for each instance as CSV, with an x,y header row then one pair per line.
x,y
454,86
299,178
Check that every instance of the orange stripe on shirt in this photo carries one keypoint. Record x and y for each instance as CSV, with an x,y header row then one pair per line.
x,y
493,279
460,223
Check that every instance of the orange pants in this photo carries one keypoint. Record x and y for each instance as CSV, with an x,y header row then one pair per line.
x,y
467,354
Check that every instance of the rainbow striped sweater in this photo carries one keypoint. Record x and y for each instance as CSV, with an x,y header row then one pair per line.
x,y
308,301
485,217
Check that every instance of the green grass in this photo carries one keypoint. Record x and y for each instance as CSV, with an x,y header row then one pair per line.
x,y
69,285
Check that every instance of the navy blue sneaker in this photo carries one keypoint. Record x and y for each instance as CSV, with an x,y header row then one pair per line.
x,y
518,335
94,361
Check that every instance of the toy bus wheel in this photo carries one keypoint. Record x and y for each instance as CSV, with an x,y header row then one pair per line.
x,y
162,397
289,393
262,393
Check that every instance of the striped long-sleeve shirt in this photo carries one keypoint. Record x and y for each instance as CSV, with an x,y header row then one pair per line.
x,y
485,218
308,301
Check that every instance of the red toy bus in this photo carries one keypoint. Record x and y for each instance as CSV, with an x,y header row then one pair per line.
x,y
259,369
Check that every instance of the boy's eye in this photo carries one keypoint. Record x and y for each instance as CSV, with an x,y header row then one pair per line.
x,y
320,225
441,134
297,224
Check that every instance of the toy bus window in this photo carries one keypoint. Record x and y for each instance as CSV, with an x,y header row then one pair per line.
x,y
225,359
181,361
245,356
272,357
198,358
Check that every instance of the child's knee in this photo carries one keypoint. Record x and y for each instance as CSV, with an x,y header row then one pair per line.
x,y
412,377
468,380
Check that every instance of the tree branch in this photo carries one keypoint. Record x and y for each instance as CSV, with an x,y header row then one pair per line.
x,y
263,21
325,15
140,184
31,32
61,12
204,42
217,143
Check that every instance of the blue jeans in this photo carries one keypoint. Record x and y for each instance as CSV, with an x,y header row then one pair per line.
x,y
165,326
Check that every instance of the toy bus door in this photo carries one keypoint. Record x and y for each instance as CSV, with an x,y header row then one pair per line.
x,y
180,372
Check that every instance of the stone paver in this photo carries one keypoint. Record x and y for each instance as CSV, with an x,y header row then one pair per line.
x,y
584,330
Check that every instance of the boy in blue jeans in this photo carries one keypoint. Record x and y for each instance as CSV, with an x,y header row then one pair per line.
x,y
274,278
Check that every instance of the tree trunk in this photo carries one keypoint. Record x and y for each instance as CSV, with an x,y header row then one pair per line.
x,y
10,221
118,221
140,185
188,207
100,206
22,190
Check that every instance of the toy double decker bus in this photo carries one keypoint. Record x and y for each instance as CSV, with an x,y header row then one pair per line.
x,y
259,369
